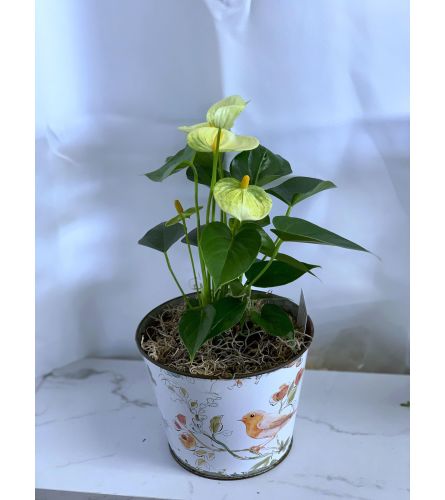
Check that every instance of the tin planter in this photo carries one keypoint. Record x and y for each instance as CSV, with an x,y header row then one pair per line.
x,y
228,428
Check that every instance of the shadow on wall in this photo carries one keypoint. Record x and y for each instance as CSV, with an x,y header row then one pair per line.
x,y
373,342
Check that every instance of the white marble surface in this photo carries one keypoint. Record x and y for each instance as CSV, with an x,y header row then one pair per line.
x,y
98,431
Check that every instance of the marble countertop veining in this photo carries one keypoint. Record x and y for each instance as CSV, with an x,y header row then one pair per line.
x,y
98,431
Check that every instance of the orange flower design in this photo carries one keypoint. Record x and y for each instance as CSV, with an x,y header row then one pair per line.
x,y
187,440
299,375
282,391
180,421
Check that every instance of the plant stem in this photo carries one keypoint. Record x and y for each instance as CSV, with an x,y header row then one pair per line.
x,y
176,279
214,174
269,263
205,295
213,438
198,217
190,254
277,244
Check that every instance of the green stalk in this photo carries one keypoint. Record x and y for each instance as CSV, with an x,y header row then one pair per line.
x,y
190,254
213,209
222,214
205,279
176,279
214,174
198,217
277,244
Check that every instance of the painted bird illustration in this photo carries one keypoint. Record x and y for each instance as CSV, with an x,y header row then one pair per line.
x,y
262,425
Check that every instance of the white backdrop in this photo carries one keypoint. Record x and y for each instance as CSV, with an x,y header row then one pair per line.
x,y
328,84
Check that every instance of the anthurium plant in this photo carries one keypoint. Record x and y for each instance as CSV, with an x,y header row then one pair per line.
x,y
229,246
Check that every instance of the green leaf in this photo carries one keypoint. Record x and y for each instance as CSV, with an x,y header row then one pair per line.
x,y
204,175
215,424
229,312
197,326
173,164
293,229
194,328
204,164
263,222
302,266
297,189
261,165
274,320
178,218
193,236
228,257
236,288
279,273
267,245
162,237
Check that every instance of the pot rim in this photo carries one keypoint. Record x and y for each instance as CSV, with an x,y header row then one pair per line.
x,y
139,331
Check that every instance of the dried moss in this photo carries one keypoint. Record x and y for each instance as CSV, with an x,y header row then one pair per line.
x,y
232,354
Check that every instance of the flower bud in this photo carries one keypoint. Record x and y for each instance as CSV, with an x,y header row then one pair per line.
x,y
178,207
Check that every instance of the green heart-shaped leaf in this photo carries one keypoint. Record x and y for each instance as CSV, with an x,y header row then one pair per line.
x,y
267,245
278,273
193,236
292,261
227,256
203,163
261,165
197,326
293,229
297,189
236,288
173,164
194,328
263,222
274,320
229,312
162,237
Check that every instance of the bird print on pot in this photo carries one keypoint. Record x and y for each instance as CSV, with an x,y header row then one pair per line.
x,y
262,425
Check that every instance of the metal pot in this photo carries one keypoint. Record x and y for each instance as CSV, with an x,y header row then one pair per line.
x,y
228,428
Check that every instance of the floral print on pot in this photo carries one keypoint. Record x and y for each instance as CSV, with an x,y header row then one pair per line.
x,y
229,429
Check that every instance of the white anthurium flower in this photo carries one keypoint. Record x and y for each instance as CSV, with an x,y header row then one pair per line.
x,y
205,138
222,114
189,128
242,201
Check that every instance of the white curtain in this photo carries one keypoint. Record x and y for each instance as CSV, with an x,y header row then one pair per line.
x,y
328,85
